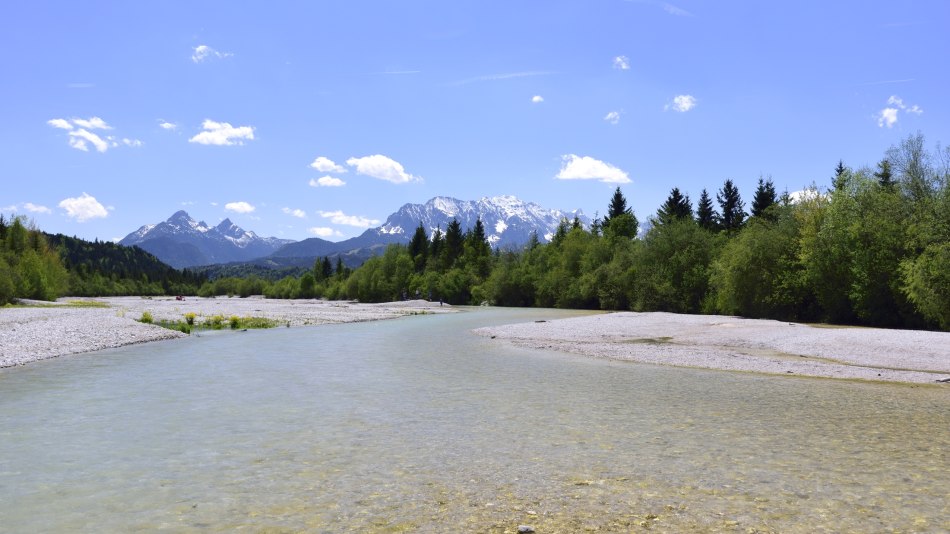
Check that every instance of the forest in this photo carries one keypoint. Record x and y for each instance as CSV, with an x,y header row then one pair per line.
x,y
871,248
36,265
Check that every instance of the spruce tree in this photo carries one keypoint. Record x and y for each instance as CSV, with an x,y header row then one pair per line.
x,y
730,203
419,247
841,175
436,247
884,175
454,244
764,198
677,206
705,213
618,210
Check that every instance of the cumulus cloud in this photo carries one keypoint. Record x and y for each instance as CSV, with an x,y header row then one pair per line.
x,y
613,117
165,125
575,167
622,63
327,181
34,208
324,164
222,134
682,103
537,99
338,217
239,207
323,231
382,168
80,137
300,214
888,116
202,53
83,208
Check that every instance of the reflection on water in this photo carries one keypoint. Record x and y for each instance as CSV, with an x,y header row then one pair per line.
x,y
416,425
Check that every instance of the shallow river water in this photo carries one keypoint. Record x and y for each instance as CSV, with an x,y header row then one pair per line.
x,y
416,425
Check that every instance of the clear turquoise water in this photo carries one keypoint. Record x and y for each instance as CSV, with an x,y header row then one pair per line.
x,y
416,425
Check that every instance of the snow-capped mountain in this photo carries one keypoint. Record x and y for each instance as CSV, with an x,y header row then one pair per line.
x,y
508,221
182,241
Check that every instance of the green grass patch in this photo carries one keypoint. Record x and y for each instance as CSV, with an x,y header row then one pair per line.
x,y
216,322
87,304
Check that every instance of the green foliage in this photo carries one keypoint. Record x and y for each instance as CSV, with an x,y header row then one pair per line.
x,y
926,282
731,214
764,199
146,318
677,206
706,215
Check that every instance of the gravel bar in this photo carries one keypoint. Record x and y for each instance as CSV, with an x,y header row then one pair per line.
x,y
736,344
47,330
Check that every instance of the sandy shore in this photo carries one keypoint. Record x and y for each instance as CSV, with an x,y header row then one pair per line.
x,y
43,331
731,343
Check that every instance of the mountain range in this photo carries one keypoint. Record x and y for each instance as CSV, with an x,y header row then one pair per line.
x,y
509,223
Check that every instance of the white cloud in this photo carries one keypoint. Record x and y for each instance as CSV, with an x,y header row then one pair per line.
x,y
202,52
78,139
239,207
887,117
34,208
613,117
322,231
323,164
60,123
682,103
300,214
327,181
338,217
587,168
622,63
128,142
222,134
92,123
165,125
83,208
505,76
383,168
537,99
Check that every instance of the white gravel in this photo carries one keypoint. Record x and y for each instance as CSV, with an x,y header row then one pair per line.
x,y
44,331
731,343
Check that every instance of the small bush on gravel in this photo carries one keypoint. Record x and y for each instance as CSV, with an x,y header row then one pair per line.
x,y
190,318
235,322
146,318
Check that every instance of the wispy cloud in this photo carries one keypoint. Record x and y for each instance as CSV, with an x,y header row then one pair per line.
x,y
81,138
681,103
338,217
35,208
323,231
382,168
165,125
83,208
673,10
239,207
504,76
300,214
327,181
222,134
612,117
621,63
575,167
202,53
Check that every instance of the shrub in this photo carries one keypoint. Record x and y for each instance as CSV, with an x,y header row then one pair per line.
x,y
235,322
146,318
190,318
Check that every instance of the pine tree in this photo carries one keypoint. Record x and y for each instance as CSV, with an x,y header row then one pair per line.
x,y
677,206
841,175
436,248
705,213
730,204
764,198
884,175
618,210
419,248
454,244
340,268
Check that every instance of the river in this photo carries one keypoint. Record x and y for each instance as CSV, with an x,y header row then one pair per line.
x,y
416,425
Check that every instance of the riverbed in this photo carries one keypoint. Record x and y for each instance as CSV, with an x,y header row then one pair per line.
x,y
416,424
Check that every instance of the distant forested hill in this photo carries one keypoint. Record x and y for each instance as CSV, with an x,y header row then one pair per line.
x,y
98,268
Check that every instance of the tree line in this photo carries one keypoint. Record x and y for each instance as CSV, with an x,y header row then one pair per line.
x,y
36,265
873,248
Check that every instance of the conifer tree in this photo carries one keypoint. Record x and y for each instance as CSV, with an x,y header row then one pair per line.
x,y
618,210
884,175
677,206
730,203
706,215
764,198
841,175
454,244
419,248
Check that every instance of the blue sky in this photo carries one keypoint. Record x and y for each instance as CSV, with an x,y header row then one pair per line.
x,y
302,119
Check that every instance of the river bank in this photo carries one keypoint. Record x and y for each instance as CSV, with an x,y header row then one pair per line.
x,y
73,326
736,344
